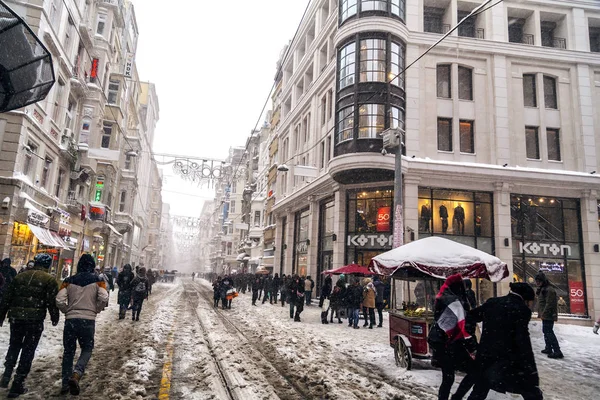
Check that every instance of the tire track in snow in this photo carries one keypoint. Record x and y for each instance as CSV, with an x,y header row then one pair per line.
x,y
278,377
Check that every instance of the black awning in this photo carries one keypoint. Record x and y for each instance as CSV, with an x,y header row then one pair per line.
x,y
26,72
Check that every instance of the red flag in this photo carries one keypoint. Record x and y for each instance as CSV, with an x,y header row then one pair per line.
x,y
82,212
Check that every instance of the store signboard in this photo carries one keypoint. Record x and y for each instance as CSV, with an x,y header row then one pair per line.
x,y
36,218
383,219
576,297
380,241
545,249
97,213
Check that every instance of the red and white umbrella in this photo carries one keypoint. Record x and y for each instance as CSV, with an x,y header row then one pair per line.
x,y
352,269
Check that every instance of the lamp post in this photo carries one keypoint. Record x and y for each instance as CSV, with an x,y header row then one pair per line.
x,y
393,139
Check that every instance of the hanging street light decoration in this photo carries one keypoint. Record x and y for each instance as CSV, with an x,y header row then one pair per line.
x,y
26,71
195,170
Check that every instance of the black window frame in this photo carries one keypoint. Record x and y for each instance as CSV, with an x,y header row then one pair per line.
x,y
440,68
536,142
350,67
471,123
530,85
449,133
370,114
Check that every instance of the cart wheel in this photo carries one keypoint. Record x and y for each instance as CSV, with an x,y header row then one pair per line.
x,y
402,354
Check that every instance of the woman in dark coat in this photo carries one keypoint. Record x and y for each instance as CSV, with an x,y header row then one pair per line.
x,y
336,301
453,347
124,282
505,357
326,289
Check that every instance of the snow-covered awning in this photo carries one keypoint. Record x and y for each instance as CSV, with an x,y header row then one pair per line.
x,y
241,256
45,237
439,258
114,230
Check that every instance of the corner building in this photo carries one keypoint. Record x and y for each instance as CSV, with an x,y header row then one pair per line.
x,y
501,121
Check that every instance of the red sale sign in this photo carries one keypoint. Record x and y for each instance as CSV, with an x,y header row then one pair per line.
x,y
576,294
383,219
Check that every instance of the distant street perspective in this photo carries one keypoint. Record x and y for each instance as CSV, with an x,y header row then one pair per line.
x,y
300,199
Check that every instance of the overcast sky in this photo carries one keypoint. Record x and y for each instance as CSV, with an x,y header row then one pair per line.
x,y
213,64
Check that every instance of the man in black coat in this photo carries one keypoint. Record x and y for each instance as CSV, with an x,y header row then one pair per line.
x,y
505,357
275,288
354,298
255,289
296,297
326,289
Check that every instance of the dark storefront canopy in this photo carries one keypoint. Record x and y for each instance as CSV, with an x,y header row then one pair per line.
x,y
26,72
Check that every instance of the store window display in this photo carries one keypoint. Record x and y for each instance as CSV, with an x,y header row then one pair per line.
x,y
546,237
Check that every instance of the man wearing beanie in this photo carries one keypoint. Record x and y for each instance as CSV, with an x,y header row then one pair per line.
x,y
505,357
26,300
548,313
81,297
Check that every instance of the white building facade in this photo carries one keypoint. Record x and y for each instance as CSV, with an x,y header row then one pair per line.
x,y
501,128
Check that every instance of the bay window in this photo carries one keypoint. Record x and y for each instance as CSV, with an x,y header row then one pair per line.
x,y
347,65
371,120
345,124
372,60
397,64
347,9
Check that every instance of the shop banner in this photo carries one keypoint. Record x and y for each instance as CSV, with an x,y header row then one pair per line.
x,y
383,219
576,298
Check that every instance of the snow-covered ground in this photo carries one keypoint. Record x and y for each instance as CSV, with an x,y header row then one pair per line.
x,y
263,354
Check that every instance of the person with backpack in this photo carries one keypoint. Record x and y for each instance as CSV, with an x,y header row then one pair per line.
x,y
81,297
335,304
124,280
139,293
25,301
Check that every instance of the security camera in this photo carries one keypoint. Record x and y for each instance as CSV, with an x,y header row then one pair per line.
x,y
383,152
6,202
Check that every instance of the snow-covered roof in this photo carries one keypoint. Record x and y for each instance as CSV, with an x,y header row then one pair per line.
x,y
439,257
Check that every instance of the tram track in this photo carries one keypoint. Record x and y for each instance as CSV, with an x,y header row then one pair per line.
x,y
280,382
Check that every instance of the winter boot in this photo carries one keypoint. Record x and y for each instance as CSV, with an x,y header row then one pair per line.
x,y
74,384
64,389
546,351
17,388
5,381
556,354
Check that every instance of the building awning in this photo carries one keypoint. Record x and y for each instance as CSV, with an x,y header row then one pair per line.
x,y
114,230
242,257
26,71
59,240
44,236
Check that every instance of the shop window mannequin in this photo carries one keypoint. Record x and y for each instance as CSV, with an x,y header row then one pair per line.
x,y
425,217
444,217
459,218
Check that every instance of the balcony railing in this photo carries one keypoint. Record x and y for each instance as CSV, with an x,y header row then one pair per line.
x,y
559,43
480,33
528,39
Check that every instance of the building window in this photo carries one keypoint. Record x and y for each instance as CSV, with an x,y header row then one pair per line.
x,y
371,120
58,98
467,137
59,180
300,265
68,37
322,163
467,28
347,65
547,30
113,92
347,9
128,160
515,30
372,60
444,134
101,26
256,218
594,39
306,128
330,108
323,110
465,83
433,20
532,143
55,11
396,118
232,206
29,163
399,8
444,81
553,139
373,5
122,201
46,172
106,134
529,91
397,65
550,93
346,124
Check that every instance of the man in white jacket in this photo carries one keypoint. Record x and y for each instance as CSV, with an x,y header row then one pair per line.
x,y
81,297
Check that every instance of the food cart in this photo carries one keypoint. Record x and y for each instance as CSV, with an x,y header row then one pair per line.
x,y
417,271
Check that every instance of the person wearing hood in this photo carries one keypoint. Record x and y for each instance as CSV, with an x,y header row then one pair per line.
x,y
7,272
81,297
124,280
379,303
452,345
139,292
326,289
26,300
548,313
505,360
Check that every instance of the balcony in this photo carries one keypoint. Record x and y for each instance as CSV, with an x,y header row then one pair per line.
x,y
553,30
436,17
362,168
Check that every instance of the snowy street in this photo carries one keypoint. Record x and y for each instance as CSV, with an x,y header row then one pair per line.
x,y
182,348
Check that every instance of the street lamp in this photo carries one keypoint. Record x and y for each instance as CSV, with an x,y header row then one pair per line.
x,y
393,139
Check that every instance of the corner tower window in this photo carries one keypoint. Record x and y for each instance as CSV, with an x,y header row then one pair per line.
x,y
347,9
347,65
346,123
397,64
373,5
371,120
372,60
